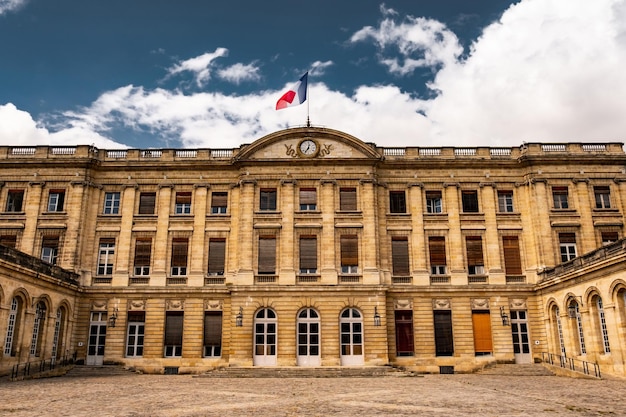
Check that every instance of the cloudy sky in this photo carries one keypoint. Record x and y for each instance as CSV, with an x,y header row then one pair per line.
x,y
195,73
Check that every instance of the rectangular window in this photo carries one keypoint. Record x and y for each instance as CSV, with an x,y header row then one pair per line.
x,y
267,255
567,244
433,202
180,250
219,202
481,322
603,197
9,241
437,249
475,263
147,203
268,199
505,201
308,199
135,334
111,203
512,259
308,254
56,198
173,334
347,199
183,203
217,254
212,333
397,202
404,333
609,237
560,197
50,249
143,251
470,201
105,256
349,254
15,200
444,342
400,256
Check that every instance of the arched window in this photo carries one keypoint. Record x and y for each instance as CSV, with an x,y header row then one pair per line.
x,y
351,337
602,321
559,330
59,330
308,337
13,327
574,313
265,337
38,329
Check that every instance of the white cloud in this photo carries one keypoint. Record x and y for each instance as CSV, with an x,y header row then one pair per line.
x,y
11,5
17,128
200,66
548,70
420,43
238,73
319,68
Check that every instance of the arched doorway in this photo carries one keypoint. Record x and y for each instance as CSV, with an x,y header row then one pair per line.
x,y
351,337
265,323
308,338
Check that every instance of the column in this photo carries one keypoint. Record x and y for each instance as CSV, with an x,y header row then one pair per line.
x,y
328,252
287,274
528,243
540,209
586,240
458,274
198,247
74,209
246,233
371,275
161,241
122,270
31,212
418,239
492,243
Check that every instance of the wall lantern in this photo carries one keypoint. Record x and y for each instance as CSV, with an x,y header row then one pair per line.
x,y
376,317
239,318
113,318
504,316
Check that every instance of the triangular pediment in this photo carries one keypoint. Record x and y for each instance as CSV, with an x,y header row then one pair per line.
x,y
312,143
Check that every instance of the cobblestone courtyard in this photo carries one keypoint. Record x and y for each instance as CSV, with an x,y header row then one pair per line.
x,y
431,395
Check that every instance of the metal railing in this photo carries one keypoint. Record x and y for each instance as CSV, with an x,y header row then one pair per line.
x,y
27,369
572,364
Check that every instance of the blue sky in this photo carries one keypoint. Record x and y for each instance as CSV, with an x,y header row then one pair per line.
x,y
190,73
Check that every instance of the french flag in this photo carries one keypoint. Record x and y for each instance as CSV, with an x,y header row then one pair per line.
x,y
296,95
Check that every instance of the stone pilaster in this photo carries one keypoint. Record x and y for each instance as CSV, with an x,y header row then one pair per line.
x,y
371,275
492,244
31,212
160,251
287,274
124,256
328,258
458,273
586,241
198,247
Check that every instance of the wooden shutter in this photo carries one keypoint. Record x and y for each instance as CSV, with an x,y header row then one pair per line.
x,y
610,237
512,260
400,256
404,332
8,240
143,249
397,202
347,199
212,328
136,316
308,252
470,201
567,237
146,203
437,249
267,255
444,342
50,242
481,321
474,250
349,250
183,198
217,254
174,328
268,199
308,196
179,251
219,199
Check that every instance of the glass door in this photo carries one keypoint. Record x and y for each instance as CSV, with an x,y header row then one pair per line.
x,y
308,338
97,338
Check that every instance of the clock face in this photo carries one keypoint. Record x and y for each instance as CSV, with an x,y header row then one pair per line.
x,y
308,147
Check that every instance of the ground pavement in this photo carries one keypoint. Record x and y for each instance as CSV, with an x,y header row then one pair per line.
x,y
430,395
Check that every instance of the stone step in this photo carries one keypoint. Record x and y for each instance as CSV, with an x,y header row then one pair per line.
x,y
305,372
84,371
531,369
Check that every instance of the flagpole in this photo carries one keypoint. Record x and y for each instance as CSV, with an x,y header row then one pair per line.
x,y
308,103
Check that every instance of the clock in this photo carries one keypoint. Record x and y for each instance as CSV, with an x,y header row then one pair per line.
x,y
308,148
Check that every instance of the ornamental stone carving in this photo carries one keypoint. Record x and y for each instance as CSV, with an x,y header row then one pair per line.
x,y
441,304
99,305
174,305
136,305
213,305
480,303
518,304
403,304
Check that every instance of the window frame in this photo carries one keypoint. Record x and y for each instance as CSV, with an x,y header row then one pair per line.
x,y
308,199
112,202
147,203
268,199
602,196
560,197
437,255
219,202
12,205
106,257
469,201
182,202
397,202
180,257
505,201
434,202
142,261
348,199
56,201
475,255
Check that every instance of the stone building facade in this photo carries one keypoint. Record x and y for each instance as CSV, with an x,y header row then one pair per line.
x,y
310,247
